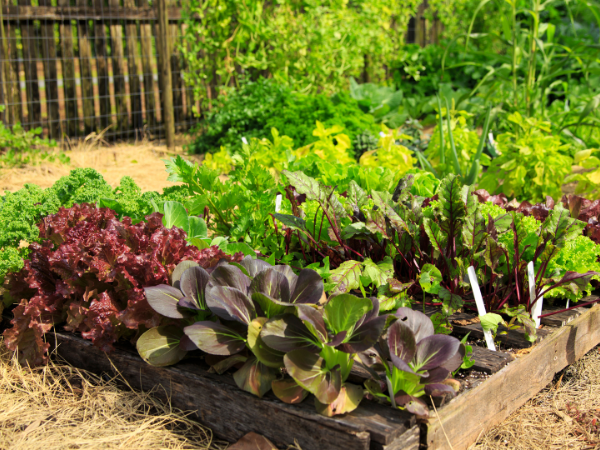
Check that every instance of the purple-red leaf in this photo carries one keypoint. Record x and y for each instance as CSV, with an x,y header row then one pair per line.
x,y
214,338
229,303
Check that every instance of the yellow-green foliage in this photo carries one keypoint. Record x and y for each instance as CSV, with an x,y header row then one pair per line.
x,y
389,154
588,181
533,163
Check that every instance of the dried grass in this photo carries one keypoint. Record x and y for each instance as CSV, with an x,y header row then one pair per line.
x,y
140,160
565,415
60,407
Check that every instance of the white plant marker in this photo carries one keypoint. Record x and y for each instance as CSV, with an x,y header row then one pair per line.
x,y
489,339
536,311
278,202
382,134
568,301
244,140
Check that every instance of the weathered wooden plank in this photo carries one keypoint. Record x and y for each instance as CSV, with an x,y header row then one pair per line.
x,y
560,319
165,78
17,107
118,70
135,92
464,418
100,44
408,441
85,67
512,338
8,80
488,361
177,84
48,45
68,76
231,413
150,105
64,12
30,58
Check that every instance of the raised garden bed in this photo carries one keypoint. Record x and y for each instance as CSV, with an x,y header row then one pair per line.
x,y
499,384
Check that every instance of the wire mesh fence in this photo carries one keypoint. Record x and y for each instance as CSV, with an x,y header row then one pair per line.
x,y
72,67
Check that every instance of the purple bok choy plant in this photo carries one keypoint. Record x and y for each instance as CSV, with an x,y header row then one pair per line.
x,y
182,303
242,298
416,362
320,345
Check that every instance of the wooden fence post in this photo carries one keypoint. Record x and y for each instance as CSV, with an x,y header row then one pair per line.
x,y
165,69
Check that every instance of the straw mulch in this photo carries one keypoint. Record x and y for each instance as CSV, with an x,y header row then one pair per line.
x,y
142,160
59,407
565,415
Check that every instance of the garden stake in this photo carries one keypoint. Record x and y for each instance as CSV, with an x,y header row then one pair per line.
x,y
489,339
536,309
278,202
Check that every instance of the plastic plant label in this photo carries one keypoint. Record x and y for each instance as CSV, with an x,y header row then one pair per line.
x,y
278,202
489,339
245,141
536,309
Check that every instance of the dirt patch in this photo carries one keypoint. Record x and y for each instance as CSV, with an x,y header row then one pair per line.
x,y
143,161
59,407
565,415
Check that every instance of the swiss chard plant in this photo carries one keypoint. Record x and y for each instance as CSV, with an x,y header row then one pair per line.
x,y
414,362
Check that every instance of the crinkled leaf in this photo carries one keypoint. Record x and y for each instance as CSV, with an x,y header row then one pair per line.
x,y
214,338
293,222
255,377
310,371
490,322
345,278
377,274
430,279
159,346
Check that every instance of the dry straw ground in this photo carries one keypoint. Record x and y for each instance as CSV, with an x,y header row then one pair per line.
x,y
565,415
60,407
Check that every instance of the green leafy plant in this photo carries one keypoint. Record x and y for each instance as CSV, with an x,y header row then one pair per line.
x,y
533,162
417,362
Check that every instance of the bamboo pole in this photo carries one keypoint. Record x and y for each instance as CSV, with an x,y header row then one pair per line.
x,y
165,69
